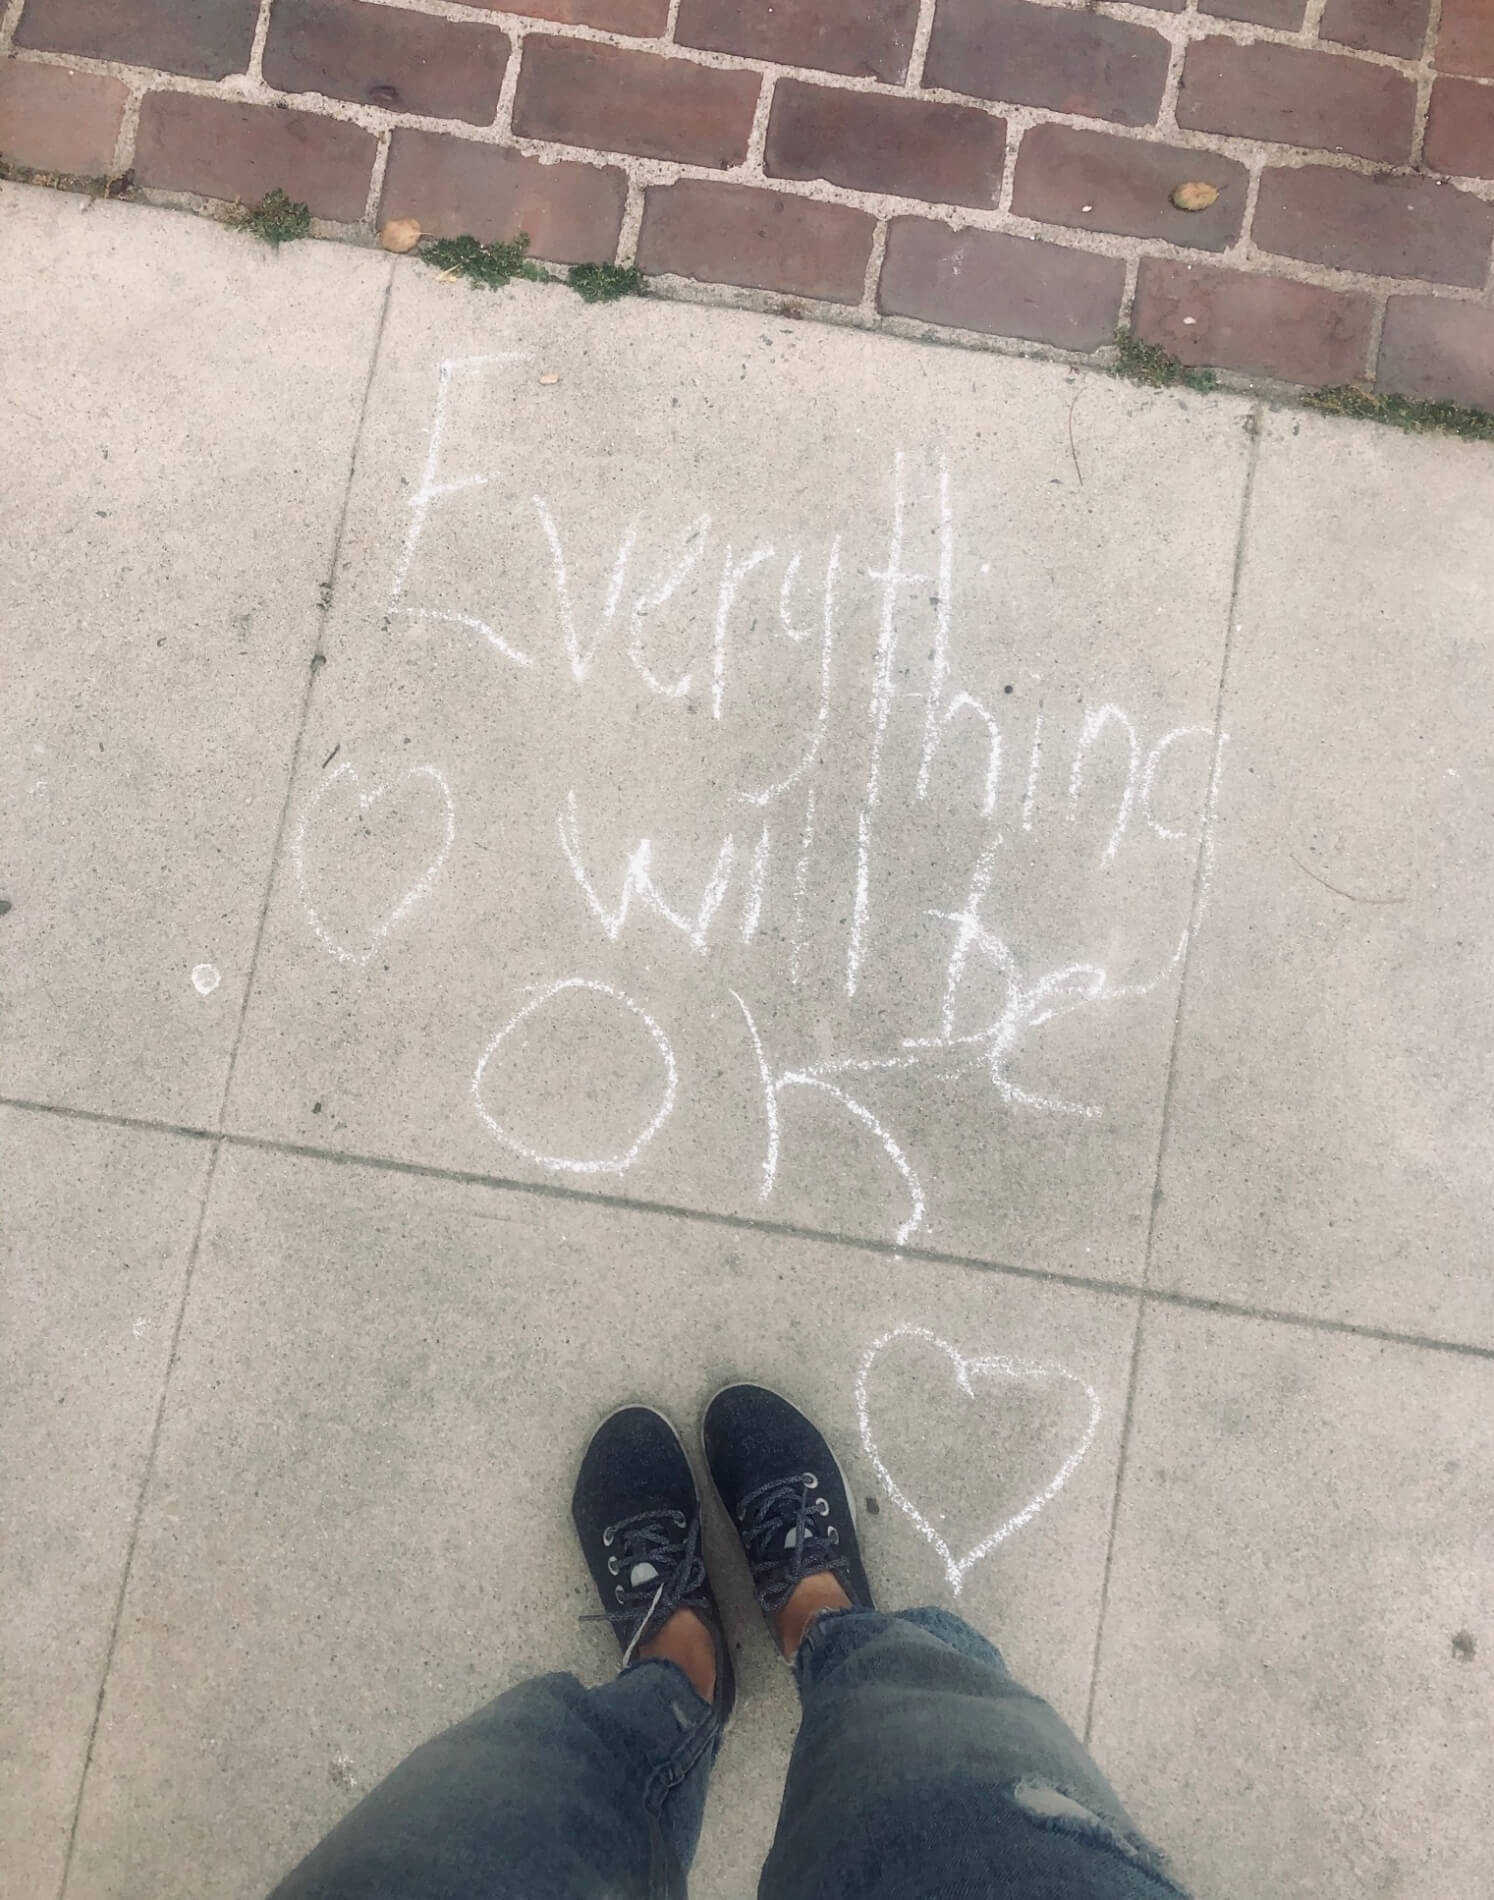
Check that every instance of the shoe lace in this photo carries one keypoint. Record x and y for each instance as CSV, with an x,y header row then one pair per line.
x,y
779,1524
665,1544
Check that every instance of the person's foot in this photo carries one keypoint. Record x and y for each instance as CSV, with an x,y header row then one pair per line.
x,y
637,1514
784,1493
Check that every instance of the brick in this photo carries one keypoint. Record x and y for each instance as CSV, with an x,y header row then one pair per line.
x,y
1098,181
1398,27
868,141
452,186
646,19
1465,38
1000,285
1065,58
59,121
1297,96
833,36
1438,350
1460,129
734,234
207,39
386,56
1286,14
1261,326
225,149
1390,226
579,92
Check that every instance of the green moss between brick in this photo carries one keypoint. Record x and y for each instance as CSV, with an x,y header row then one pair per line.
x,y
493,264
276,219
1474,425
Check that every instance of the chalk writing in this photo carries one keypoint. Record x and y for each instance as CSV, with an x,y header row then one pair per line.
x,y
620,1162
842,806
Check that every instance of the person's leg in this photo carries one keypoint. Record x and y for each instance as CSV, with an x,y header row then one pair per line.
x,y
922,1770
553,1791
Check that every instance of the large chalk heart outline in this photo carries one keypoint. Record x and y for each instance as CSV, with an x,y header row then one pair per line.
x,y
989,1366
366,802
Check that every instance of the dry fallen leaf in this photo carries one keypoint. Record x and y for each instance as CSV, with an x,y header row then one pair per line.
x,y
1195,195
400,234
549,377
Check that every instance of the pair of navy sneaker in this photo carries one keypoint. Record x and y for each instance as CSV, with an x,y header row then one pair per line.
x,y
637,1513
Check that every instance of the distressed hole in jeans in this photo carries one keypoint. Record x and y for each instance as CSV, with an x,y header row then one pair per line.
x,y
1051,1807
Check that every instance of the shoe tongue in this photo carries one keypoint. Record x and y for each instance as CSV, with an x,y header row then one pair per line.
x,y
642,1573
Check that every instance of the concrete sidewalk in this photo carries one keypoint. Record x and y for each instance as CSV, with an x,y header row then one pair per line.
x,y
555,855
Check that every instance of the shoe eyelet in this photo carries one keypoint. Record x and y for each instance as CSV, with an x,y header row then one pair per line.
x,y
607,1537
823,1507
618,1593
680,1518
810,1481
833,1534
612,1565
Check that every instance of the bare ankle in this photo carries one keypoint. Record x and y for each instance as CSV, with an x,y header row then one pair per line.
x,y
685,1640
822,1591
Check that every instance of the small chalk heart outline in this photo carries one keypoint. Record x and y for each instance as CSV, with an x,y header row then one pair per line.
x,y
366,802
990,1365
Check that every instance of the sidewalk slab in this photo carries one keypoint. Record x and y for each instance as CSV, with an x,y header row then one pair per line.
x,y
95,1233
358,1530
1295,1668
620,859
179,405
1330,1150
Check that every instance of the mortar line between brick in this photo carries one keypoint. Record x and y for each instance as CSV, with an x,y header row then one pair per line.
x,y
750,1224
753,159
918,53
129,129
1241,250
1201,878
1247,33
1378,311
1167,108
318,659
10,19
1128,293
255,72
632,221
503,113
671,22
1312,26
1016,131
138,1515
376,181
874,260
1425,75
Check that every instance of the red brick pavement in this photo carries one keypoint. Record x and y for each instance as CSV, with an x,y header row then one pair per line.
x,y
973,168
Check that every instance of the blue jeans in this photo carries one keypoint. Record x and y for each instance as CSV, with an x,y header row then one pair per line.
x,y
922,1771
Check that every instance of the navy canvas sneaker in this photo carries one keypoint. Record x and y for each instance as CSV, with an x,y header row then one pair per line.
x,y
785,1495
637,1513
